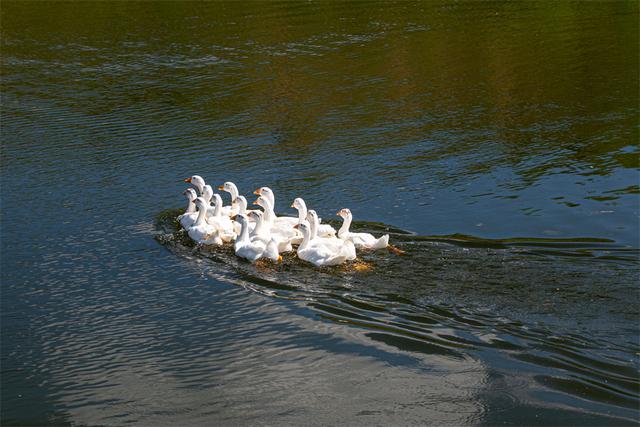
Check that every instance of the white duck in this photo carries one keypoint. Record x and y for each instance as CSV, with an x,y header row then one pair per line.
x,y
253,250
207,194
230,188
264,233
201,231
222,223
196,181
360,240
268,194
319,254
332,242
324,230
282,228
241,205
271,252
188,218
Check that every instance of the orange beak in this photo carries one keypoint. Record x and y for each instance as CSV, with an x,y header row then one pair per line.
x,y
338,213
187,180
256,203
257,192
296,226
292,205
279,258
220,187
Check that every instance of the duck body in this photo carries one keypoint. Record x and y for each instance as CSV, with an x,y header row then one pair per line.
x,y
335,244
253,249
282,231
201,231
325,230
360,240
264,233
204,234
366,240
271,252
188,218
221,222
321,255
285,237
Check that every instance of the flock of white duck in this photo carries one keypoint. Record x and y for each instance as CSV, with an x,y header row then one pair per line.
x,y
261,234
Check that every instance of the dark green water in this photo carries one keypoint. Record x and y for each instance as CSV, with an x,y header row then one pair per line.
x,y
496,142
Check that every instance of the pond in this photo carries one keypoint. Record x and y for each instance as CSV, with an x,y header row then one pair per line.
x,y
497,144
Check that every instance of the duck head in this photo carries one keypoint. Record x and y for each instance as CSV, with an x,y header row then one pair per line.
x,y
231,188
298,203
196,181
262,202
312,216
241,202
190,194
344,213
255,215
262,191
242,219
207,192
201,203
304,227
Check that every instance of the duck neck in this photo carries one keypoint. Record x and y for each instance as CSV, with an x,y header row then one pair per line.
x,y
217,210
244,232
346,223
259,229
242,206
269,215
199,186
202,215
302,212
207,196
272,200
314,228
191,207
234,192
305,241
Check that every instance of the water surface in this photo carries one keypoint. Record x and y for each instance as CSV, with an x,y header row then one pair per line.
x,y
496,142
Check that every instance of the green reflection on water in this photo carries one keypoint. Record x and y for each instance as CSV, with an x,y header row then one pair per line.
x,y
453,92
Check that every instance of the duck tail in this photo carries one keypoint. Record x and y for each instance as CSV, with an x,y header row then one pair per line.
x,y
349,250
382,242
272,252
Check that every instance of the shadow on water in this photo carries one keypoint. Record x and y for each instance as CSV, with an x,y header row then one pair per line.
x,y
517,298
